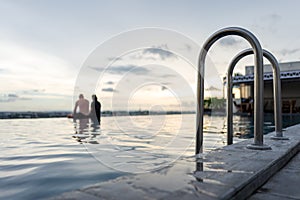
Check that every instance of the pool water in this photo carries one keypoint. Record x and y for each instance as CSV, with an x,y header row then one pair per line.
x,y
244,128
41,158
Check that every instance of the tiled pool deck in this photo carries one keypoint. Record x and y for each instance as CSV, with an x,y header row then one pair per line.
x,y
231,172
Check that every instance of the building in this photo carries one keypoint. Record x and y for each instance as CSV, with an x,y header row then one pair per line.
x,y
290,87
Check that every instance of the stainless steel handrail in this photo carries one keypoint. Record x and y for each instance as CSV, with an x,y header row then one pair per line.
x,y
258,82
276,89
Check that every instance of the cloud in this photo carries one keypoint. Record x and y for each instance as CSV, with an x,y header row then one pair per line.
x,y
108,90
289,51
164,88
212,88
168,75
32,92
268,23
190,104
11,97
8,97
153,53
109,83
163,54
229,41
114,58
121,69
188,47
132,68
142,56
24,68
272,17
25,95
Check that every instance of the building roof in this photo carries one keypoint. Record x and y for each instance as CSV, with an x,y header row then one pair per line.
x,y
295,74
286,66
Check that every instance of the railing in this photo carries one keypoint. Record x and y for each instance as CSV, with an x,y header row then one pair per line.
x,y
258,85
276,89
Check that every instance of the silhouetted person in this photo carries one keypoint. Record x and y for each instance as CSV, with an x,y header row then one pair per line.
x,y
83,106
95,110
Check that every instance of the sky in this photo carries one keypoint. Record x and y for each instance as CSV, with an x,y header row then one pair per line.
x,y
46,46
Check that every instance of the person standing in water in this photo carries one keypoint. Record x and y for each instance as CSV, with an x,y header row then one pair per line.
x,y
95,113
83,106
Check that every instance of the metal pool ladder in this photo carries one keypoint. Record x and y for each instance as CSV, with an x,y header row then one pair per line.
x,y
258,86
276,90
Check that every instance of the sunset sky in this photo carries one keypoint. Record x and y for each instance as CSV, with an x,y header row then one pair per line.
x,y
45,44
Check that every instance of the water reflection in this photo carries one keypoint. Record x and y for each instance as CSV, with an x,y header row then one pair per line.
x,y
199,168
83,125
86,131
40,153
244,125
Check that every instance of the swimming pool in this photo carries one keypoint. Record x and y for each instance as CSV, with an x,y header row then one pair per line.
x,y
45,157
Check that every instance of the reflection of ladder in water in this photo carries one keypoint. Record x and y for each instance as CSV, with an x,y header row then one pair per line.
x,y
258,87
215,137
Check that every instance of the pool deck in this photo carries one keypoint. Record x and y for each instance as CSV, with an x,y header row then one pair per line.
x,y
283,185
231,172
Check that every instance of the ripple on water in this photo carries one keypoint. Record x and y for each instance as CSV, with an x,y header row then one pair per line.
x,y
45,157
